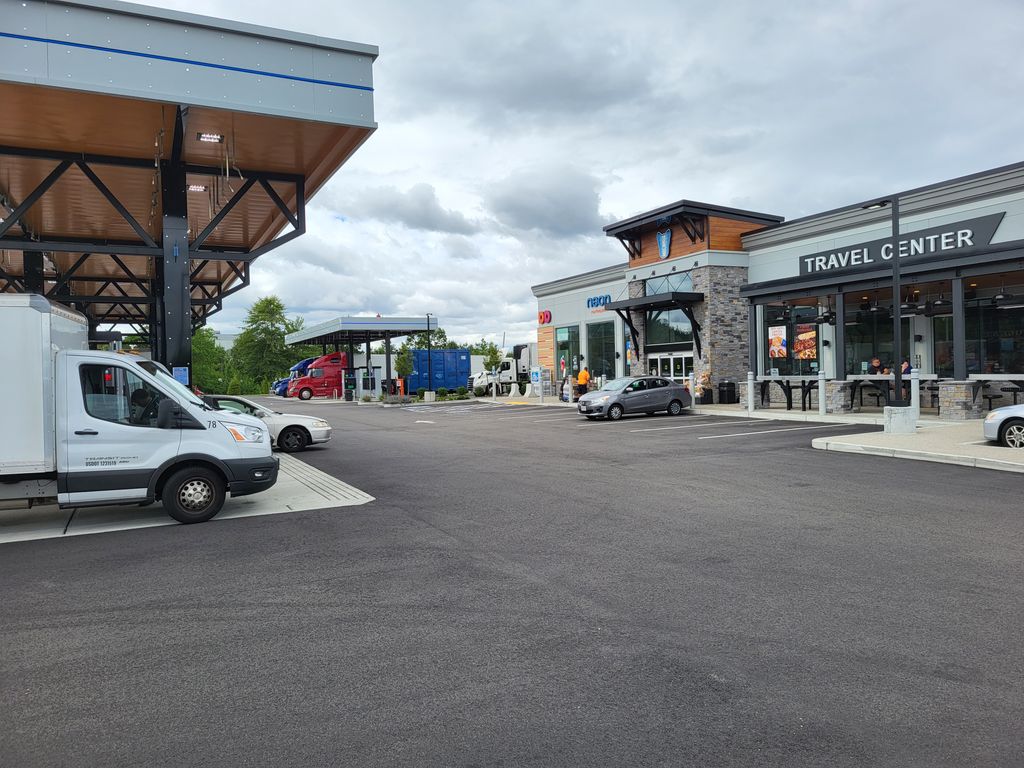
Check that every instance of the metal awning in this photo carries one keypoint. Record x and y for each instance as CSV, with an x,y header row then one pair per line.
x,y
659,302
147,156
361,330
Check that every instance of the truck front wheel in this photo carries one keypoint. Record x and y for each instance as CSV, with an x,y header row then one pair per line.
x,y
193,494
305,394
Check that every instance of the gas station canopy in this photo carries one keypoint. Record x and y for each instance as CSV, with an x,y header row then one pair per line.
x,y
148,157
361,330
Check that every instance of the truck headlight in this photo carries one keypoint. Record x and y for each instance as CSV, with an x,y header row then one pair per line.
x,y
246,434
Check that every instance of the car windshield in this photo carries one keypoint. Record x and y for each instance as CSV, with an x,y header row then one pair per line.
x,y
153,369
615,385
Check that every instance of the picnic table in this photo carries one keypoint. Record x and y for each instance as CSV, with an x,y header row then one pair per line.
x,y
806,385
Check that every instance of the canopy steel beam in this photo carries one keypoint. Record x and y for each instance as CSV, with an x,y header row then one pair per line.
x,y
28,202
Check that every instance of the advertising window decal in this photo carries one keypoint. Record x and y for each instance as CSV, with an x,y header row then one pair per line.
x,y
778,345
805,346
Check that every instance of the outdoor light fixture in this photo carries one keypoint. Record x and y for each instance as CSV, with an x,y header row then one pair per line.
x,y
908,307
875,205
1002,297
196,187
210,138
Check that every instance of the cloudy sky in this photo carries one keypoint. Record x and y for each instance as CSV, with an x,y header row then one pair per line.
x,y
510,133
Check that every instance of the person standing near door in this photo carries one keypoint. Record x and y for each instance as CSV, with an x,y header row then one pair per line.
x,y
582,381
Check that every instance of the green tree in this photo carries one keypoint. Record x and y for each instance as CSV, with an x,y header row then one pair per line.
x,y
438,340
491,353
259,351
208,361
403,363
234,386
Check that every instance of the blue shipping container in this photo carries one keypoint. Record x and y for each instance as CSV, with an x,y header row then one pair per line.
x,y
449,368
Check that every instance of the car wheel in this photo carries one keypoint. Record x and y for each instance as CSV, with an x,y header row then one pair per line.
x,y
305,394
675,408
193,494
615,412
292,439
1012,434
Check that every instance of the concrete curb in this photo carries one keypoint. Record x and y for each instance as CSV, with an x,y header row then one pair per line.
x,y
834,444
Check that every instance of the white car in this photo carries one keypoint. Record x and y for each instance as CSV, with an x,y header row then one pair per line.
x,y
1006,425
288,432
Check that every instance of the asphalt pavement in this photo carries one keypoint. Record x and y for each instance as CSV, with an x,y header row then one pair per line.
x,y
532,589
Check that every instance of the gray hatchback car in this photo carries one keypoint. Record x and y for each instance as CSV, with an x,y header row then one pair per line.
x,y
635,394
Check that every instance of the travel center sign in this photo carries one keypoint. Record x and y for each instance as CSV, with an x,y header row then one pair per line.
x,y
925,242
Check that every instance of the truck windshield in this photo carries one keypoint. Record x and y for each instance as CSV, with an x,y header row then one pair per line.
x,y
153,369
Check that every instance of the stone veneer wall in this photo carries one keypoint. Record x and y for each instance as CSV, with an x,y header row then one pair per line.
x,y
723,319
636,290
723,316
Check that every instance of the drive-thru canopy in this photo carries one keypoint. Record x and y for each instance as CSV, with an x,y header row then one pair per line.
x,y
148,157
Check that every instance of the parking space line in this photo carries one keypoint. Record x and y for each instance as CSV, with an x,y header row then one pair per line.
x,y
769,431
697,426
556,418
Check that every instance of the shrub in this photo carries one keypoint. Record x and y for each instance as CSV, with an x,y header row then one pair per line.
x,y
461,391
420,392
442,392
480,391
521,388
234,386
366,398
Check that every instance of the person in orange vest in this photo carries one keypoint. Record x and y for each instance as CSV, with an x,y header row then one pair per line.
x,y
582,381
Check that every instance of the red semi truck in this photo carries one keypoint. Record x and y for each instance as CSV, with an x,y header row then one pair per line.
x,y
324,378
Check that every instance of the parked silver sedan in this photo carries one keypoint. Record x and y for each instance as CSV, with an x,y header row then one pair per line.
x,y
635,394
1006,425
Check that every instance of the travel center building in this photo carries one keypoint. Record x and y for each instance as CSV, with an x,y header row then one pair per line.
x,y
720,292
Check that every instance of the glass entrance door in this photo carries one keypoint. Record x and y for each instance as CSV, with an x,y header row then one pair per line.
x,y
675,366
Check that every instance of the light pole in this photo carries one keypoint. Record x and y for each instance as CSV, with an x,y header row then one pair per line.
x,y
430,377
897,313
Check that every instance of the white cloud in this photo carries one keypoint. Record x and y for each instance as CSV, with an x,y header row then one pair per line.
x,y
509,133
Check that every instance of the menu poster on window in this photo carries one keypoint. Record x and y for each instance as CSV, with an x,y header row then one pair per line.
x,y
777,341
805,346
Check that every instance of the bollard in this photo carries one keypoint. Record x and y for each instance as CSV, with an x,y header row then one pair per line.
x,y
915,394
750,392
821,393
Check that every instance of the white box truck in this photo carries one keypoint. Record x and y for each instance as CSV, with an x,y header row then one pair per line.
x,y
89,428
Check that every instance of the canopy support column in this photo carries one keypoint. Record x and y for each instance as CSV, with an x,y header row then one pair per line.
x,y
33,271
174,305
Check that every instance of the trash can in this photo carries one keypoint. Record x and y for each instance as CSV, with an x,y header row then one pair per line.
x,y
727,394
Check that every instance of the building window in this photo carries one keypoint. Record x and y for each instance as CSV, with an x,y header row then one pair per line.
x,y
601,349
567,350
995,330
681,283
869,335
792,339
942,345
669,327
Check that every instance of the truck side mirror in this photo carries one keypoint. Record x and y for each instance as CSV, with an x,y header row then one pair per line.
x,y
168,414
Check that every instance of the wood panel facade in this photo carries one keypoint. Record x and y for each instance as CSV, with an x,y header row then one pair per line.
x,y
546,346
720,234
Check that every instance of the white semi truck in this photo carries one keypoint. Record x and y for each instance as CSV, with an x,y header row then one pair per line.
x,y
89,428
512,369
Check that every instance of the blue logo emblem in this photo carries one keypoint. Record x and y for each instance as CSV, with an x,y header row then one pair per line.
x,y
664,243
